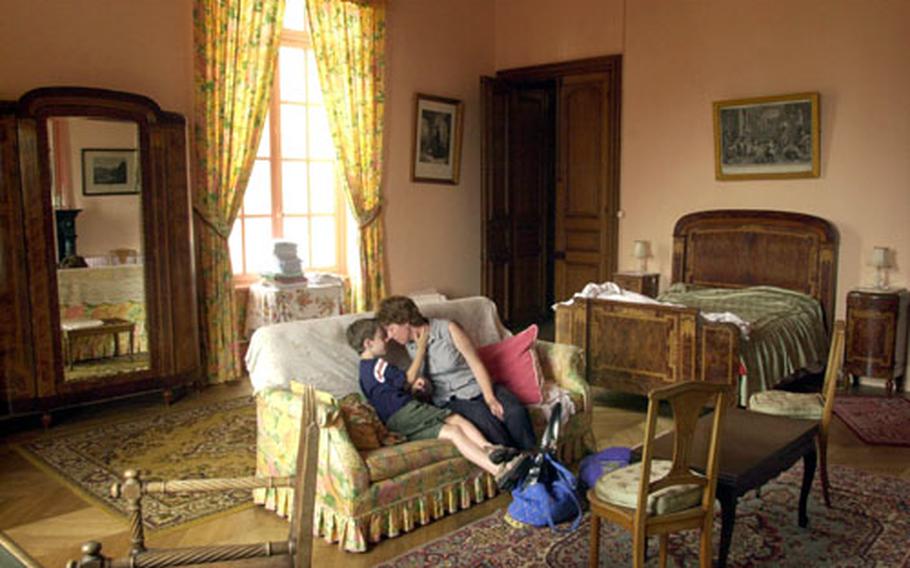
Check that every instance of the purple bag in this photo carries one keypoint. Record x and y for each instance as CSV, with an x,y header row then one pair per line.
x,y
592,467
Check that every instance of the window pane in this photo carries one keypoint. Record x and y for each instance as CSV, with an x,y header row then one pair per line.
x,y
324,242
264,140
297,229
235,245
294,187
314,91
294,14
293,131
321,146
322,187
258,244
292,74
258,197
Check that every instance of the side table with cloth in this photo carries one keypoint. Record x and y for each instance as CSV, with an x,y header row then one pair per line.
x,y
268,304
104,292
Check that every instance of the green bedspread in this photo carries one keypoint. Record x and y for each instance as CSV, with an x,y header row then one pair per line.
x,y
786,329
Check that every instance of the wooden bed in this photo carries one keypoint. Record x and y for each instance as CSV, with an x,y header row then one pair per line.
x,y
636,348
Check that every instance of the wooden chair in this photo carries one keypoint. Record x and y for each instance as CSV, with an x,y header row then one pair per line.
x,y
295,552
810,406
124,256
657,497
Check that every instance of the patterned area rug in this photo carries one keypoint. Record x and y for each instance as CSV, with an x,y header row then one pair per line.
x,y
868,527
877,420
214,441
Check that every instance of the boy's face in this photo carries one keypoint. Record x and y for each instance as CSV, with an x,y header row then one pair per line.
x,y
376,346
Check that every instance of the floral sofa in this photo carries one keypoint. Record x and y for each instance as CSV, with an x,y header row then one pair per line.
x,y
363,496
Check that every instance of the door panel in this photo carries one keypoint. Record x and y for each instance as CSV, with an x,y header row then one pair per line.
x,y
585,208
496,223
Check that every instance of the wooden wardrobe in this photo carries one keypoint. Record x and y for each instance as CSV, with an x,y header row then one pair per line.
x,y
31,337
550,183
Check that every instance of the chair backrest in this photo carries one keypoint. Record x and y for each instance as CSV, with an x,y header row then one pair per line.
x,y
687,401
833,371
123,255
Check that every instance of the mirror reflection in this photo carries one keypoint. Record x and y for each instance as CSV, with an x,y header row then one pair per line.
x,y
96,195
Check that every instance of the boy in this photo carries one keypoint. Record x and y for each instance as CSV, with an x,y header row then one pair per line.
x,y
389,390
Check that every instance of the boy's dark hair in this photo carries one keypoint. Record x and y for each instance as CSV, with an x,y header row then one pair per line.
x,y
360,331
399,309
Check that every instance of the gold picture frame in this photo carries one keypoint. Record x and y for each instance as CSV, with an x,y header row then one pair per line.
x,y
436,143
775,137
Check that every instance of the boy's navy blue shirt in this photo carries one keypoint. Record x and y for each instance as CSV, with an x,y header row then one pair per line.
x,y
384,385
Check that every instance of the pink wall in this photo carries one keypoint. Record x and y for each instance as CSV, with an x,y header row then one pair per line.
x,y
433,231
141,47
681,56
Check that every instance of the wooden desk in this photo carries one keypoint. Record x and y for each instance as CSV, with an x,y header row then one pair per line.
x,y
109,326
754,449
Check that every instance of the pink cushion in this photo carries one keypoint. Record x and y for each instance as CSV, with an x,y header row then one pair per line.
x,y
513,363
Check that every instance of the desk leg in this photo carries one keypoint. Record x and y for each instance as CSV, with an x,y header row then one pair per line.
x,y
132,352
728,503
116,345
809,460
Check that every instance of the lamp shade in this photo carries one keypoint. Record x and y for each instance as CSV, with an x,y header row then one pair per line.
x,y
641,249
880,257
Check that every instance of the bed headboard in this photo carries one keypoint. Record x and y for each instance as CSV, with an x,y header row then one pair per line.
x,y
733,248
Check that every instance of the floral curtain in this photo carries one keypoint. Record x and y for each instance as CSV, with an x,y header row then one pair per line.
x,y
236,48
349,41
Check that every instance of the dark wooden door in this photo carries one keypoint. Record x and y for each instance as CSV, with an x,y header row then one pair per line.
x,y
586,189
517,160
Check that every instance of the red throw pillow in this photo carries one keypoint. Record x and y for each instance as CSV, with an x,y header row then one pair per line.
x,y
513,363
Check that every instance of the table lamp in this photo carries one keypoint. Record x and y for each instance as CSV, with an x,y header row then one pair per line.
x,y
882,263
641,251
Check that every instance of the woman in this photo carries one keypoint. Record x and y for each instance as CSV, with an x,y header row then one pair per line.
x,y
460,381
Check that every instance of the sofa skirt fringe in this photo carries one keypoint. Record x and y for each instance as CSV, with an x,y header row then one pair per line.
x,y
354,533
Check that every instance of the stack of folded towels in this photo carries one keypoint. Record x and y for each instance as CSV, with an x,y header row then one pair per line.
x,y
284,267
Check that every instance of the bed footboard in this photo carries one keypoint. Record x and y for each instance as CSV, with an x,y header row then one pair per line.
x,y
638,347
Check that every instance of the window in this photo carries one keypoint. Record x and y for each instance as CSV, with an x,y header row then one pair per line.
x,y
292,192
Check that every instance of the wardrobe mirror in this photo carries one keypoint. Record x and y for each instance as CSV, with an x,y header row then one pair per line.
x,y
96,194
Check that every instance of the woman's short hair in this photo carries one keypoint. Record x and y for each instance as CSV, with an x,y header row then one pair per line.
x,y
360,331
399,309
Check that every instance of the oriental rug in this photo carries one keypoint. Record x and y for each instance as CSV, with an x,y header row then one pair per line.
x,y
868,526
218,440
876,420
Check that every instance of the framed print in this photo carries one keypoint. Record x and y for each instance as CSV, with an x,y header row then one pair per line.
x,y
436,152
767,137
110,171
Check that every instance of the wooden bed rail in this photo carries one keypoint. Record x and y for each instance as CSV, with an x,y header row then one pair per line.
x,y
636,348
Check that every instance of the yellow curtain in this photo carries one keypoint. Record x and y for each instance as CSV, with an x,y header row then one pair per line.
x,y
349,41
236,48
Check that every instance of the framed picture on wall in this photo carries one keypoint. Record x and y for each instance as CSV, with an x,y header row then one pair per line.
x,y
436,151
767,137
110,171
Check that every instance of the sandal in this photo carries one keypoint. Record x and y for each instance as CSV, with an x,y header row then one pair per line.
x,y
502,454
513,471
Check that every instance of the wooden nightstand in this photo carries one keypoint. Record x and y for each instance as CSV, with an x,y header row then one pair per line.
x,y
876,343
645,283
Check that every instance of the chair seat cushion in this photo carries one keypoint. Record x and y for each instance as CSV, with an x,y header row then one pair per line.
x,y
808,406
620,487
392,461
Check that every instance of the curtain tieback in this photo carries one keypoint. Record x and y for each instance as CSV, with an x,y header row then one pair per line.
x,y
370,216
217,227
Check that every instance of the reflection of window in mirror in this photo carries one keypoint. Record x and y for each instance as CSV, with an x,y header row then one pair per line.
x,y
96,192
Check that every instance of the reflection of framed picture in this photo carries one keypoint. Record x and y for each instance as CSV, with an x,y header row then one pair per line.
x,y
437,139
767,137
110,171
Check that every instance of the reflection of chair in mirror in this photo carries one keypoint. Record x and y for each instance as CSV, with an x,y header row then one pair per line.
x,y
294,552
657,497
124,256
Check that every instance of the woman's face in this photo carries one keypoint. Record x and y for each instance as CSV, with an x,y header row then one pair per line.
x,y
398,332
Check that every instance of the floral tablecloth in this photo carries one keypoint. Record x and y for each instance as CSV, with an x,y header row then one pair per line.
x,y
270,304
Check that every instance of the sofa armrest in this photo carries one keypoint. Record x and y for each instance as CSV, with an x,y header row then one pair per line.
x,y
565,365
342,473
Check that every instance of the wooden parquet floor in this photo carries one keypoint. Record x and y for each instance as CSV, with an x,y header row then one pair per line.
x,y
50,522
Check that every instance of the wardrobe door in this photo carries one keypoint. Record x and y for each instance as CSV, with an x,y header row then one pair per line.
x,y
17,385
